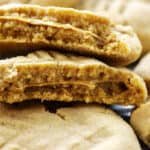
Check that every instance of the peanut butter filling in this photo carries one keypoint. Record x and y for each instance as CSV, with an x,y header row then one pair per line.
x,y
80,19
105,92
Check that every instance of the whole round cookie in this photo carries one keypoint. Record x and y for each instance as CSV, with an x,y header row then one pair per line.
x,y
72,128
140,120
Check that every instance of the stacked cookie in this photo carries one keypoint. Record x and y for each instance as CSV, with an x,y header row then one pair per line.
x,y
127,12
27,28
58,54
69,30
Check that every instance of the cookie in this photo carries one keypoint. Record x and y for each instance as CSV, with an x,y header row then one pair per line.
x,y
129,13
78,127
49,75
62,3
134,17
76,31
143,69
140,121
114,9
4,2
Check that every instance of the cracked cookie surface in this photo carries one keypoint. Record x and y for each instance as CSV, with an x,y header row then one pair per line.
x,y
73,128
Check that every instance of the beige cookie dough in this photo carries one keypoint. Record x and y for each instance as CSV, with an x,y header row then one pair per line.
x,y
140,121
72,128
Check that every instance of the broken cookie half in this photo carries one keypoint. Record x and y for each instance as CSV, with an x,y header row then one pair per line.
x,y
31,27
49,75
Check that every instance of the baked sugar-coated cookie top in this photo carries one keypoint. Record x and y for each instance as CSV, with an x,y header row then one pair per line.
x,y
78,127
140,121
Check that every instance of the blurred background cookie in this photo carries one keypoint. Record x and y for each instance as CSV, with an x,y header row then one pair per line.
x,y
140,121
143,69
130,12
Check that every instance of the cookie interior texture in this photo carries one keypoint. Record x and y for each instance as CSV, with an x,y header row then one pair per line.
x,y
50,75
143,69
140,120
78,127
78,31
